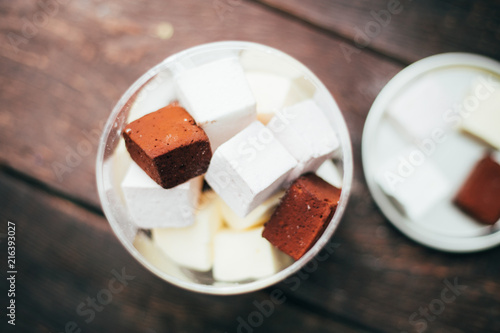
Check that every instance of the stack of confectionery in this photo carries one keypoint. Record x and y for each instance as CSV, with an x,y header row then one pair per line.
x,y
424,116
264,148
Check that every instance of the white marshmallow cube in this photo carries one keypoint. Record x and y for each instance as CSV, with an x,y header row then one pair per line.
x,y
330,173
270,92
152,206
192,246
249,168
306,133
301,90
257,217
418,110
245,255
413,183
218,97
482,119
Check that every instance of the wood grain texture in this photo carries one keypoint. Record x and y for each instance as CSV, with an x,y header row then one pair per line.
x,y
60,86
412,30
64,254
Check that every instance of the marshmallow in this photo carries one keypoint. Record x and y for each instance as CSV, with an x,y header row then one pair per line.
x,y
301,89
257,217
154,95
152,206
329,172
419,109
191,246
306,133
413,183
248,168
270,91
152,253
483,120
245,255
273,92
218,97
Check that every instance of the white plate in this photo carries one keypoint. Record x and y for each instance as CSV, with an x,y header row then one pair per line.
x,y
444,227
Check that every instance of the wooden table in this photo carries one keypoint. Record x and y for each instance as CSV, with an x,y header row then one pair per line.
x,y
65,64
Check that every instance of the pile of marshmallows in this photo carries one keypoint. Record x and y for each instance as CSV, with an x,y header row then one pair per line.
x,y
264,206
417,184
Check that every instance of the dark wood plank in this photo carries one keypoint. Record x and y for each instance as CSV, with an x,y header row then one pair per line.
x,y
60,86
65,254
412,30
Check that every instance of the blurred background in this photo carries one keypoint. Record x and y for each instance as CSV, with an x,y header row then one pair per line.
x,y
63,66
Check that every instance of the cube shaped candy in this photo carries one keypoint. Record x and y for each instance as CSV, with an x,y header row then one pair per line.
x,y
480,194
329,172
168,146
218,97
413,182
306,133
192,246
483,118
152,206
249,168
418,110
245,255
270,92
302,215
